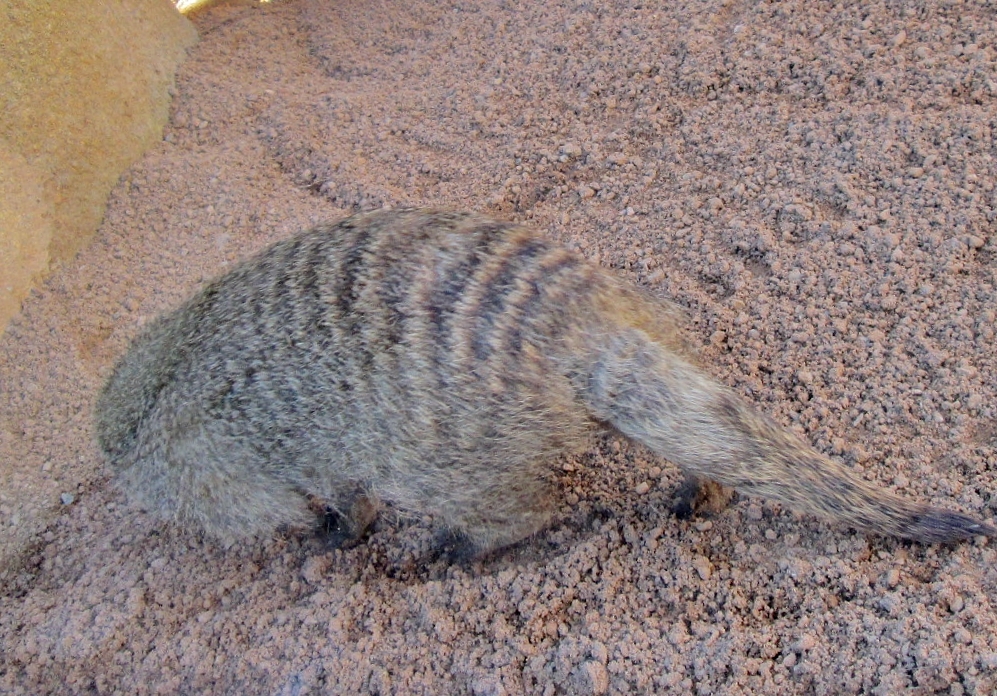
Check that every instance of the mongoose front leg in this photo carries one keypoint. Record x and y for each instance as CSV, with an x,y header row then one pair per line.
x,y
346,525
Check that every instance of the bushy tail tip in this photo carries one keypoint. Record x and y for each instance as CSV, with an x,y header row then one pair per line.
x,y
935,525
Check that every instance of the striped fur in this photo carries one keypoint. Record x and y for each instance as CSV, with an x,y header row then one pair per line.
x,y
437,361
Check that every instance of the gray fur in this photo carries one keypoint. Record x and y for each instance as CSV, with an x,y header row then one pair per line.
x,y
437,361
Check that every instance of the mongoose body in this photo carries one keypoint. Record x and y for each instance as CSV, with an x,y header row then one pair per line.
x,y
437,361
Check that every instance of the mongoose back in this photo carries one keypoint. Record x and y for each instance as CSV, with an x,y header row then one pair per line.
x,y
438,361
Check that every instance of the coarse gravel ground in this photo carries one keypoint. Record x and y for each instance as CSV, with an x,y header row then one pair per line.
x,y
812,181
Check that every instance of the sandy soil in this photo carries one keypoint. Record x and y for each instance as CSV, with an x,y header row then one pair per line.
x,y
813,182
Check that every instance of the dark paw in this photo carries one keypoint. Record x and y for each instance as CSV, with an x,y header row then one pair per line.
x,y
338,532
701,497
451,548
684,507
601,513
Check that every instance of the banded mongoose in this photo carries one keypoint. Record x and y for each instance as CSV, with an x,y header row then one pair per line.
x,y
438,361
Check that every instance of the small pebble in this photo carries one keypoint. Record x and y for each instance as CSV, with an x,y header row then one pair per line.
x,y
703,567
591,677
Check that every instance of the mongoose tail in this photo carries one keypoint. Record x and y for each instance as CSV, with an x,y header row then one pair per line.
x,y
660,399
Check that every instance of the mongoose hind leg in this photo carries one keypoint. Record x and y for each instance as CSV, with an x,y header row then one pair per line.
x,y
701,496
497,518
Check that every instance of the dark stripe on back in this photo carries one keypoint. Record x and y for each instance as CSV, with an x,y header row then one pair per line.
x,y
404,255
450,290
350,270
312,263
493,302
392,295
530,306
284,294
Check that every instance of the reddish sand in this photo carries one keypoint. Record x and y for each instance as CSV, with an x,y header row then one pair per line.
x,y
813,183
